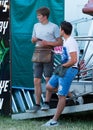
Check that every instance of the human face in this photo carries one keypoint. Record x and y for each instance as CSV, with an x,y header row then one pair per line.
x,y
41,18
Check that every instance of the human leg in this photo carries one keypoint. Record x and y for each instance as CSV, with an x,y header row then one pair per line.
x,y
49,89
48,70
63,89
38,90
60,107
37,71
46,106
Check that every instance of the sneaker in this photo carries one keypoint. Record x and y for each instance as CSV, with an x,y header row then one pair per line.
x,y
80,100
76,98
51,123
45,107
34,109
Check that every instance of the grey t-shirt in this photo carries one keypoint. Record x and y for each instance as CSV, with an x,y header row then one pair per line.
x,y
48,32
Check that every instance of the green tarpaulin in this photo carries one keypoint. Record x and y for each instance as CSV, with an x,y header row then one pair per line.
x,y
23,17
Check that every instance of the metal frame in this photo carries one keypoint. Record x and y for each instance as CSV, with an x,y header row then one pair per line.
x,y
23,98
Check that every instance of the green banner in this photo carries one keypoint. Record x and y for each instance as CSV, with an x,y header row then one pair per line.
x,y
23,17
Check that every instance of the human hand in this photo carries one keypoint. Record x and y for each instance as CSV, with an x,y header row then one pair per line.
x,y
44,43
34,39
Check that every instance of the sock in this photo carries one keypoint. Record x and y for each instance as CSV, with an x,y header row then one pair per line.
x,y
37,105
47,103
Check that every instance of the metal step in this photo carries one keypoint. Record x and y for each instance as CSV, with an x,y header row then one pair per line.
x,y
24,98
68,109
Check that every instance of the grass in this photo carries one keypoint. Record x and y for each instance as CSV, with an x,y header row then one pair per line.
x,y
80,121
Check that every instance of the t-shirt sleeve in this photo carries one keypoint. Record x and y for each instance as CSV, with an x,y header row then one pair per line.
x,y
72,46
56,31
33,32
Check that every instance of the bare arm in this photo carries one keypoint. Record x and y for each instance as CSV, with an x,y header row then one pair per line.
x,y
72,61
58,42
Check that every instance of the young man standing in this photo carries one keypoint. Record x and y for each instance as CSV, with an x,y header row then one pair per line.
x,y
45,33
70,58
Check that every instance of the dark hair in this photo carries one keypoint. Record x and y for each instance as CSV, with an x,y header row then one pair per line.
x,y
44,11
67,27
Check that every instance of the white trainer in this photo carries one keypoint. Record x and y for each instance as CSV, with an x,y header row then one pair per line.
x,y
76,98
51,123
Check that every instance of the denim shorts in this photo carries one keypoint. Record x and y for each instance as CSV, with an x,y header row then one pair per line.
x,y
45,69
63,83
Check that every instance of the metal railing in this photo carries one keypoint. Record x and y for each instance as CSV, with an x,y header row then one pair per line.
x,y
24,98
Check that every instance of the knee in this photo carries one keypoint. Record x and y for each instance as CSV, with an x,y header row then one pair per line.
x,y
48,87
37,81
61,97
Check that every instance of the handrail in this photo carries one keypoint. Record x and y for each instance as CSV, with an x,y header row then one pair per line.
x,y
85,38
82,71
80,38
86,72
89,59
